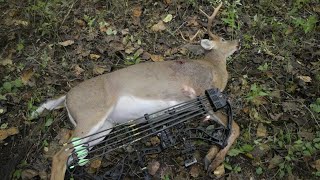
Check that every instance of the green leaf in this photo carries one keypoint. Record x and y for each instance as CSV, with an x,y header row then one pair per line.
x,y
48,122
45,143
259,170
17,173
315,108
237,169
227,166
2,97
234,152
247,148
317,173
17,83
7,86
4,126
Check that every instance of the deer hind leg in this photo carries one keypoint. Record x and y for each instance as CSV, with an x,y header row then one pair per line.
x,y
85,127
215,157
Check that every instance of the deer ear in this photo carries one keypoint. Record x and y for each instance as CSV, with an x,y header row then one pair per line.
x,y
207,44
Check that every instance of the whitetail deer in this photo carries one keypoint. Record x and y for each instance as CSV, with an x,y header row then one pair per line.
x,y
104,101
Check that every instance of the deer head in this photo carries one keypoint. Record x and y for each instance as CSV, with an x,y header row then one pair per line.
x,y
218,46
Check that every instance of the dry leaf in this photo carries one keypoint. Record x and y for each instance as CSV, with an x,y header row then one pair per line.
x,y
275,161
168,18
98,70
78,70
305,78
146,56
5,62
167,2
103,29
261,130
193,21
28,174
276,117
155,140
316,165
64,135
129,49
80,22
95,164
66,43
4,133
195,171
158,27
156,58
219,171
125,31
20,22
290,106
94,56
26,75
137,11
153,167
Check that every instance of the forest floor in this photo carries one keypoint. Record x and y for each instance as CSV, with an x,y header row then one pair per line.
x,y
48,47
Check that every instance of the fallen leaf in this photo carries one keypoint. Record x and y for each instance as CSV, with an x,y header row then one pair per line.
x,y
289,106
289,30
195,171
129,49
64,135
4,133
20,22
305,78
125,31
66,43
276,117
43,174
168,18
261,130
306,135
95,164
193,21
26,75
137,11
146,56
275,161
260,150
156,58
80,22
158,27
78,70
4,126
168,2
316,165
219,171
28,174
153,167
155,140
98,70
5,61
94,56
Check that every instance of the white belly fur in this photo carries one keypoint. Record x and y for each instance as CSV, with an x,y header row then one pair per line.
x,y
130,107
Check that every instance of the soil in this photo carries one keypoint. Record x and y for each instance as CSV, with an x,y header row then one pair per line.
x,y
48,47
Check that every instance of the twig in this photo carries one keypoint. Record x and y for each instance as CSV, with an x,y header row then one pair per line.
x,y
308,109
65,17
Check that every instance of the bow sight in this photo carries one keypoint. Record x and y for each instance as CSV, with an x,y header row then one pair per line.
x,y
128,144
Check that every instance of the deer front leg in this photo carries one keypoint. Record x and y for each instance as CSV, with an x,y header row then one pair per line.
x,y
215,157
59,163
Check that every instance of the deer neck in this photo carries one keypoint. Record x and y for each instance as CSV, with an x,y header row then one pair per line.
x,y
217,59
218,63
